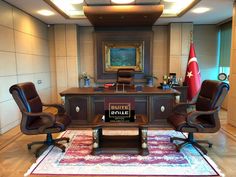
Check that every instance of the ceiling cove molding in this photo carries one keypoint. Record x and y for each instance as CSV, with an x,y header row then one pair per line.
x,y
127,15
188,8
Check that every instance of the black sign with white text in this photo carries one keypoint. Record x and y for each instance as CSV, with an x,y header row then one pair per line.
x,y
119,110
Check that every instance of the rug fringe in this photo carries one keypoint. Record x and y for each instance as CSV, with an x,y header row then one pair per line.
x,y
214,165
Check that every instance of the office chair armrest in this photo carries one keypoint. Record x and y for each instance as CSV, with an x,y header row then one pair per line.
x,y
191,119
59,107
182,105
49,119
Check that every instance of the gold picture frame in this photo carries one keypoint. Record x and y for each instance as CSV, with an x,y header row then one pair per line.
x,y
123,55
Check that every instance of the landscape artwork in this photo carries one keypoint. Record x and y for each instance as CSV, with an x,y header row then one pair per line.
x,y
123,55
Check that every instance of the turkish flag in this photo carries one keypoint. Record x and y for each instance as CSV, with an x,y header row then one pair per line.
x,y
192,77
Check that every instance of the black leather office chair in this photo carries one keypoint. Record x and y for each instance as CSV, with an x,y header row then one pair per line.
x,y
34,121
204,119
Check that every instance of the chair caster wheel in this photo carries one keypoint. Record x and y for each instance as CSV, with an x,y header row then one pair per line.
x,y
210,146
63,149
177,149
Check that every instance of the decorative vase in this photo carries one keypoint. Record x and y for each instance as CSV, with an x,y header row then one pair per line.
x,y
86,82
150,82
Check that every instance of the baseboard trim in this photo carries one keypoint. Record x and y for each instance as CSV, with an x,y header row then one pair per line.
x,y
9,126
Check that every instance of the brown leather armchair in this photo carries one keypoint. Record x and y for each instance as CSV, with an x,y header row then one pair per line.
x,y
34,121
204,119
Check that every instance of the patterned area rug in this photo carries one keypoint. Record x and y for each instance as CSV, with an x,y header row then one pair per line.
x,y
163,160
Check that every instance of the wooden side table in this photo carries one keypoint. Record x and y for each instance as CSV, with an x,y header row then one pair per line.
x,y
117,144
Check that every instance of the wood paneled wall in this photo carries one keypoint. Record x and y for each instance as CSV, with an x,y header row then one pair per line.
x,y
24,56
66,57
232,79
179,43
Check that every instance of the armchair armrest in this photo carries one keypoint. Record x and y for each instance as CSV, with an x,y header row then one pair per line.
x,y
182,105
48,117
59,107
194,114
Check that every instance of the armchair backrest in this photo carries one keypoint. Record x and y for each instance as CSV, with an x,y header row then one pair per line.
x,y
27,100
125,76
211,95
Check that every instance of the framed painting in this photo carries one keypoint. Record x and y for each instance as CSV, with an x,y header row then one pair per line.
x,y
123,55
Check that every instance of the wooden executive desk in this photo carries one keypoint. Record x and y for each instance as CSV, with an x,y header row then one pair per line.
x,y
83,104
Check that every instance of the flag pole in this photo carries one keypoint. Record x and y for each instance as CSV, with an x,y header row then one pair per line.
x,y
192,77
191,36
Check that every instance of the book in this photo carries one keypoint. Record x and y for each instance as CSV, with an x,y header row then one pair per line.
x,y
107,85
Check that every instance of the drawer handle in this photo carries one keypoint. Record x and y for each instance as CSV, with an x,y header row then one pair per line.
x,y
77,109
163,108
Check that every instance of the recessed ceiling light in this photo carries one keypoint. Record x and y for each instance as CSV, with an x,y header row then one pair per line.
x,y
69,8
200,10
174,7
122,1
45,12
76,1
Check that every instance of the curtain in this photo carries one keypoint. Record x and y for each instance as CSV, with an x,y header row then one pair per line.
x,y
225,44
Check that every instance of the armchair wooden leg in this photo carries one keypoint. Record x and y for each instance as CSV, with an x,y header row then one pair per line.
x,y
172,139
49,141
179,146
33,143
61,146
40,150
62,139
200,147
205,142
191,140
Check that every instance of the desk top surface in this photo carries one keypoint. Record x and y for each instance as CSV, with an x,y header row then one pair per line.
x,y
112,91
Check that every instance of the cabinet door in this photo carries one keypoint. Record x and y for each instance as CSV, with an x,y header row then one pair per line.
x,y
98,105
161,108
77,108
141,105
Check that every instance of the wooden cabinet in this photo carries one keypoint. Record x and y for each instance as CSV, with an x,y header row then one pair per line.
x,y
83,104
77,107
161,108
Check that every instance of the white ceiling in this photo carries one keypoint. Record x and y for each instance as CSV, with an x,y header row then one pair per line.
x,y
220,11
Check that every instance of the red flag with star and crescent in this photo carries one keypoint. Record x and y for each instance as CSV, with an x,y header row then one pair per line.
x,y
192,77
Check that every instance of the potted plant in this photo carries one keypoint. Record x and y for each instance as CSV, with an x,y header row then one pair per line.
x,y
149,79
86,79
